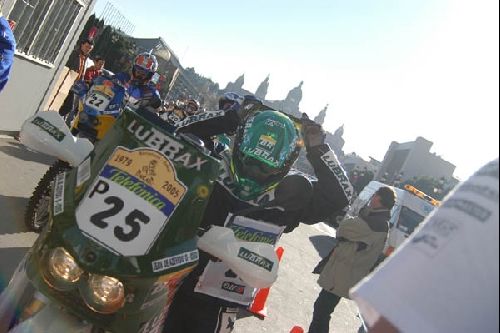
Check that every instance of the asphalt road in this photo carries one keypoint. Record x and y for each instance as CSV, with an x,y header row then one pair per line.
x,y
290,300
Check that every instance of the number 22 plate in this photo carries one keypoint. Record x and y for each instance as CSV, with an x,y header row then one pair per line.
x,y
97,101
131,201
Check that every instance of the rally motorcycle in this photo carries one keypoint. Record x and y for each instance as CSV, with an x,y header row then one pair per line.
x,y
98,108
122,231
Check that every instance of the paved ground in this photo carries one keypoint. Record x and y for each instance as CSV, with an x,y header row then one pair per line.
x,y
291,298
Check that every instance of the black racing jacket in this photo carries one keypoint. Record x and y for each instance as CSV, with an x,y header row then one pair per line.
x,y
298,198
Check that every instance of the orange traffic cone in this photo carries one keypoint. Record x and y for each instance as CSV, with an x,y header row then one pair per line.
x,y
258,306
297,329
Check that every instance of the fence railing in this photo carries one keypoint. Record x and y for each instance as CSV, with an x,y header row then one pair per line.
x,y
43,25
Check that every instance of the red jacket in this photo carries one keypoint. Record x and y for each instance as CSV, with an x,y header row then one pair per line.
x,y
91,73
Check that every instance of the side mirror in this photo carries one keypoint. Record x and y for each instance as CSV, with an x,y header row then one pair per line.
x,y
255,263
46,132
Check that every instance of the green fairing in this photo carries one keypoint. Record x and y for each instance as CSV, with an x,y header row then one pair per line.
x,y
147,298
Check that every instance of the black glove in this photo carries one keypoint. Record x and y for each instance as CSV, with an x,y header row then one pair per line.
x,y
313,133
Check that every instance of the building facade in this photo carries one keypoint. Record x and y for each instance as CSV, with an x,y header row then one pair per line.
x,y
352,162
46,33
404,161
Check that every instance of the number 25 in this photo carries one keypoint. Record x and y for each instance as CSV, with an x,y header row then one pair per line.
x,y
132,219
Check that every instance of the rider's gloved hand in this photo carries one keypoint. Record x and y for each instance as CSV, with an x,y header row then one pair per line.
x,y
250,103
312,132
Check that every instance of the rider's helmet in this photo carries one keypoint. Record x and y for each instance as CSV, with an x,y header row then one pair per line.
x,y
145,66
191,107
230,101
265,148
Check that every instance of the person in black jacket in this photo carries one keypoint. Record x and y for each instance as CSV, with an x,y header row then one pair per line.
x,y
78,61
259,198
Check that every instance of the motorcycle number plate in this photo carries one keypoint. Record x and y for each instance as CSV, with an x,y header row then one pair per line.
x,y
131,201
97,101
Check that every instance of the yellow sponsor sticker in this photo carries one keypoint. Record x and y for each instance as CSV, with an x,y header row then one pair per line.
x,y
151,168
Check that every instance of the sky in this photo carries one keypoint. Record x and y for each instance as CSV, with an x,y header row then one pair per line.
x,y
389,70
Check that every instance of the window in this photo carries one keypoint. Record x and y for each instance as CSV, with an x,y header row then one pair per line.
x,y
42,26
409,220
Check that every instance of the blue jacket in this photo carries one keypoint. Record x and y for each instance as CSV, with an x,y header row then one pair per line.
x,y
7,49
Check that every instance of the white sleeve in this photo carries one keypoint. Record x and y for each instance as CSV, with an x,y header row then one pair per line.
x,y
88,63
445,277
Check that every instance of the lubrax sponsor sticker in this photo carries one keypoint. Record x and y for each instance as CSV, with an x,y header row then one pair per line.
x,y
331,161
256,259
233,287
175,261
165,144
199,117
49,128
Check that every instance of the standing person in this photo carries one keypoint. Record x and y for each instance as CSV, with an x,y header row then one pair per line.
x,y
95,70
7,49
445,277
258,198
361,241
79,61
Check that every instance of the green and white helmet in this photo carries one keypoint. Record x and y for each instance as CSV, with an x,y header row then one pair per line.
x,y
265,148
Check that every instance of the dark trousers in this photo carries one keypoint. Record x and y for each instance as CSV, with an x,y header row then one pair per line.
x,y
188,314
323,309
68,104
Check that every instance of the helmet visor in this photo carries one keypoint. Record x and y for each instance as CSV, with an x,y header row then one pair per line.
x,y
252,168
191,108
141,73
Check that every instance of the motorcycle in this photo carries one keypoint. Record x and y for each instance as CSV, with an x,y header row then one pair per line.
x,y
122,231
98,108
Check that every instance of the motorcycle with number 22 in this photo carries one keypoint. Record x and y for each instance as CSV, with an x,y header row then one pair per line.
x,y
122,230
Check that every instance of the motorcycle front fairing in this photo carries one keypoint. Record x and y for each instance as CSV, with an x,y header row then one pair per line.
x,y
122,232
23,309
100,107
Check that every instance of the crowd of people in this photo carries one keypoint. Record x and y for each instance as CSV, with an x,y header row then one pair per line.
x,y
259,190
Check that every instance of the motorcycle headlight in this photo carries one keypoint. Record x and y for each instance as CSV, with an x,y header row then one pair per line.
x,y
103,294
63,271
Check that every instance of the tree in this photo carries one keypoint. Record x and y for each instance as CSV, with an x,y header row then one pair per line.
x,y
113,45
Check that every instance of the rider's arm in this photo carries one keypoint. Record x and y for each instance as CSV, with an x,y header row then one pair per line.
x,y
156,101
210,123
332,191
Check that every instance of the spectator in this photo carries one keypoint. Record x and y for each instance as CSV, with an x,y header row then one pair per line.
x,y
445,277
94,70
79,61
361,241
7,49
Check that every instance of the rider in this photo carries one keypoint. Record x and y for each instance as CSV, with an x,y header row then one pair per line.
x,y
106,95
259,197
192,107
142,91
180,109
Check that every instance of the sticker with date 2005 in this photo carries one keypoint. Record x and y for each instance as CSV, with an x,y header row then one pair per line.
x,y
131,201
